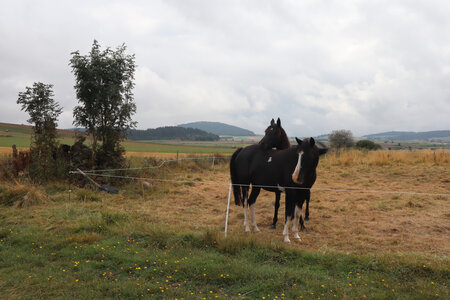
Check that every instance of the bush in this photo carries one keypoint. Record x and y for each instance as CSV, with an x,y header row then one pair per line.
x,y
366,144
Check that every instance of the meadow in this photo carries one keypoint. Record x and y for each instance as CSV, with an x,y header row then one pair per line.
x,y
20,135
385,237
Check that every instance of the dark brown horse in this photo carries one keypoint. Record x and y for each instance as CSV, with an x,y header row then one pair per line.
x,y
292,170
275,137
307,195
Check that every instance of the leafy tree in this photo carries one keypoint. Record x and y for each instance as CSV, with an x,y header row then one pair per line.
x,y
367,144
341,138
38,102
104,83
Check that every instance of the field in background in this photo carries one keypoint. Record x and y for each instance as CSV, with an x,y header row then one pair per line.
x,y
20,136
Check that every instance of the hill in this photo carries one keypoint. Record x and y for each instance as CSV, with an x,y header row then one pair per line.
x,y
219,128
434,136
172,133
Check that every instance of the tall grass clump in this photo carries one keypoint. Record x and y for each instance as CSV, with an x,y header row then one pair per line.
x,y
21,196
87,196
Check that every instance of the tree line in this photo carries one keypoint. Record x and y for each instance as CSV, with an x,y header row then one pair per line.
x,y
172,133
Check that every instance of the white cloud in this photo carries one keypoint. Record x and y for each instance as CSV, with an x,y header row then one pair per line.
x,y
318,65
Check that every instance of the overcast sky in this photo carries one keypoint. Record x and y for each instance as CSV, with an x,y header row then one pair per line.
x,y
365,66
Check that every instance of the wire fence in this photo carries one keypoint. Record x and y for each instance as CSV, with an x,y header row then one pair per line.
x,y
99,173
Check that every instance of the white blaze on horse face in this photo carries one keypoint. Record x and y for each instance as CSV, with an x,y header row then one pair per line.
x,y
297,169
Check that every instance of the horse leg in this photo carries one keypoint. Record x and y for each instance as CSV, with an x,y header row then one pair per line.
x,y
308,196
277,206
289,209
251,201
302,223
297,216
245,198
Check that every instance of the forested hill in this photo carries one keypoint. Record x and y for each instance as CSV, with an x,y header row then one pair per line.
x,y
443,135
219,128
172,133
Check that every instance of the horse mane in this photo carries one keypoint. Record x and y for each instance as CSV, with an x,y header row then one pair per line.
x,y
284,140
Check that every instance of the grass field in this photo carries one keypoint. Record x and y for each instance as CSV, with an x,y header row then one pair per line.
x,y
166,240
19,135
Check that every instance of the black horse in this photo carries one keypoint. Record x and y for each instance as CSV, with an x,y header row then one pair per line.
x,y
307,196
275,137
292,170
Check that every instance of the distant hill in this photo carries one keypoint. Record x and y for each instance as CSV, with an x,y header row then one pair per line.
x,y
219,128
436,136
172,133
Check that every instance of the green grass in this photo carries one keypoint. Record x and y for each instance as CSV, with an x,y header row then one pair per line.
x,y
21,136
90,250
173,148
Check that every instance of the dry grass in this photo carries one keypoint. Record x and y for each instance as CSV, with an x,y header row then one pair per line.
x,y
387,157
355,222
20,195
8,150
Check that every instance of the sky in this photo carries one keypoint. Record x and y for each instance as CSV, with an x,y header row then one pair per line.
x,y
318,65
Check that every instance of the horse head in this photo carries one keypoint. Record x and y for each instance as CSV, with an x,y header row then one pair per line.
x,y
275,137
308,159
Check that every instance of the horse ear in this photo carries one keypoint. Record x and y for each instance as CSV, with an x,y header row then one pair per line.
x,y
272,122
279,122
298,141
312,142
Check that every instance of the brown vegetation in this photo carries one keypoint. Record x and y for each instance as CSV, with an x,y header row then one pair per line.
x,y
375,217
358,221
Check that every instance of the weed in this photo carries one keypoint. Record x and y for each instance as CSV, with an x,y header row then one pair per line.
x,y
87,195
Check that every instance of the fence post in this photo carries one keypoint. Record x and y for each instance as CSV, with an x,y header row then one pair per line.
x,y
213,162
228,209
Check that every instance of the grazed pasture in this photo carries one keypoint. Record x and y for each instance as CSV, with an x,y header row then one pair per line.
x,y
356,222
166,240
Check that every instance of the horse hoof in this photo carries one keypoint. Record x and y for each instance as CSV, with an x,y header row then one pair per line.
x,y
303,229
307,218
286,239
256,229
273,226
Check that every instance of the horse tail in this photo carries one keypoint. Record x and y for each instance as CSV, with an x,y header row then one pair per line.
x,y
234,178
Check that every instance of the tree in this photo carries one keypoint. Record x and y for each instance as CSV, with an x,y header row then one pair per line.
x,y
104,83
341,138
367,144
38,102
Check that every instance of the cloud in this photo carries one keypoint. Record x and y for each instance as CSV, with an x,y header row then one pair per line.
x,y
318,65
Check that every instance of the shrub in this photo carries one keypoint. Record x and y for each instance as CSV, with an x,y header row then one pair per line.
x,y
366,144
